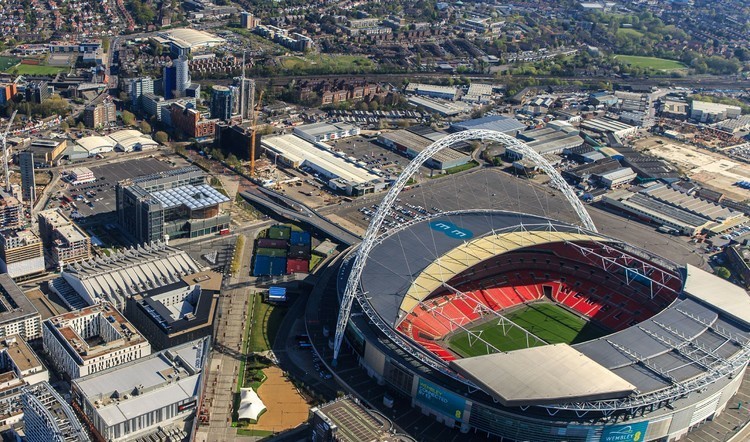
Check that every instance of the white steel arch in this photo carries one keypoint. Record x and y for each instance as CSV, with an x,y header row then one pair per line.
x,y
369,239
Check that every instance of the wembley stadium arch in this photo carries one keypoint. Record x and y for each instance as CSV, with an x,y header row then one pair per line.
x,y
370,238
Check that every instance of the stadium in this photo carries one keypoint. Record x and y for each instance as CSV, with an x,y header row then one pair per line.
x,y
519,327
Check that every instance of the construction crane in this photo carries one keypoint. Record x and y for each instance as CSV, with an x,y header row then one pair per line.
x,y
253,133
5,152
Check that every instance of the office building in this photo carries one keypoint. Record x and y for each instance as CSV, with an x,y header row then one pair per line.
x,y
186,118
28,180
11,211
173,204
67,242
246,97
48,418
138,87
100,115
176,78
136,400
92,339
18,316
176,313
37,91
221,102
235,140
21,253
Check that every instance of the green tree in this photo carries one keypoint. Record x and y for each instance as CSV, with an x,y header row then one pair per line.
x,y
80,125
65,126
161,137
128,119
144,127
723,272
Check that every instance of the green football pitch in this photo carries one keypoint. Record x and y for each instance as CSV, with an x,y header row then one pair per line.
x,y
549,322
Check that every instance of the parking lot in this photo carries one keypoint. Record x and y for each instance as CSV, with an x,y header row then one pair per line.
x,y
374,155
100,194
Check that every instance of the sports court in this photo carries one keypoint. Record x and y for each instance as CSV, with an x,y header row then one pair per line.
x,y
548,321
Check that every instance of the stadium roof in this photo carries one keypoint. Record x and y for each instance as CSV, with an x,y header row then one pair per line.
x,y
550,374
719,293
194,197
411,260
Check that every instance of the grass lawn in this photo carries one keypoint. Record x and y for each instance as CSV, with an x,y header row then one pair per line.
x,y
461,168
550,322
251,432
30,69
658,64
266,321
630,32
8,62
332,63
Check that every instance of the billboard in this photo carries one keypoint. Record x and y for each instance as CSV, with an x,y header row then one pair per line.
x,y
447,403
635,432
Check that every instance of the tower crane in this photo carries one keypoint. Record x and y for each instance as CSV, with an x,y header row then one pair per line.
x,y
253,133
5,151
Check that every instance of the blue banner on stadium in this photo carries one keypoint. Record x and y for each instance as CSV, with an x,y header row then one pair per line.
x,y
450,404
635,432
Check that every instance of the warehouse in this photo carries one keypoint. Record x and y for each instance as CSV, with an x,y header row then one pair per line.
x,y
411,144
617,177
585,171
608,125
341,173
429,90
320,132
444,108
551,140
499,123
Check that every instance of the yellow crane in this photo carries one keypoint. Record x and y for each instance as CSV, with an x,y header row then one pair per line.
x,y
253,133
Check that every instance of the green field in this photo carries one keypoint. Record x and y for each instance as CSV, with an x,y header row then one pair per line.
x,y
332,63
8,62
629,32
658,64
30,69
550,322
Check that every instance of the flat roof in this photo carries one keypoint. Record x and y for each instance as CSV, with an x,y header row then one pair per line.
x,y
550,374
493,122
193,197
192,37
718,293
323,128
14,304
300,151
605,125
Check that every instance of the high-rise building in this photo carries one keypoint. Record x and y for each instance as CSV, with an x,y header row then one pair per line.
x,y
177,78
138,87
21,253
7,92
222,102
18,316
37,91
248,21
169,80
99,115
246,99
28,181
48,417
11,214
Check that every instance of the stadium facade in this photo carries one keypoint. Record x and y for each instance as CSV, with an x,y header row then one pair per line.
x,y
675,349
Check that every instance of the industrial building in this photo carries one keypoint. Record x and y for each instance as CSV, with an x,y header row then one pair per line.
x,y
136,400
617,177
47,152
605,125
664,205
92,339
738,258
131,140
444,108
18,316
21,253
321,132
173,204
176,313
647,167
705,112
433,91
123,274
47,417
499,123
67,242
553,139
412,144
95,145
11,215
345,174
